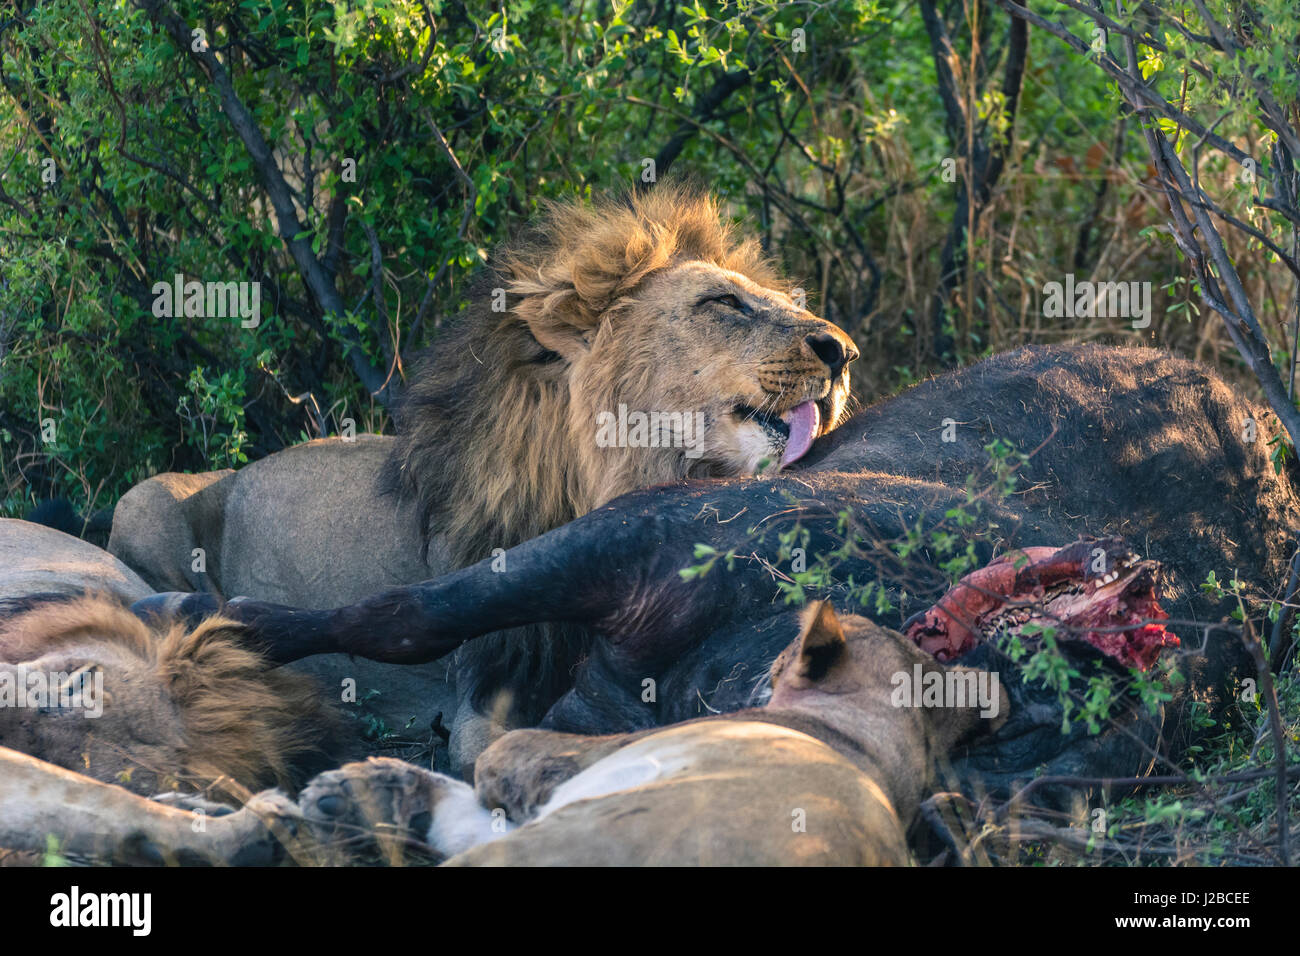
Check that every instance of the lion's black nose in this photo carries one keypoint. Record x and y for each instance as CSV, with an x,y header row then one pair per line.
x,y
831,351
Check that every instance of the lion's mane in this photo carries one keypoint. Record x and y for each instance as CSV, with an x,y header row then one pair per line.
x,y
484,446
225,717
482,439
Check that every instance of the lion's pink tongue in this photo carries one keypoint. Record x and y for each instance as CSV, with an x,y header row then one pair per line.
x,y
805,421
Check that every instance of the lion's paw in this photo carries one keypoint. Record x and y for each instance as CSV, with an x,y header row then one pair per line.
x,y
381,800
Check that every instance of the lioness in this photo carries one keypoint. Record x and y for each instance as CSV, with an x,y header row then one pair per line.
x,y
613,346
37,560
831,771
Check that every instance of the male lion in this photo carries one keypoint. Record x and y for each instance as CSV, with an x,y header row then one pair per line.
x,y
88,686
613,346
1119,443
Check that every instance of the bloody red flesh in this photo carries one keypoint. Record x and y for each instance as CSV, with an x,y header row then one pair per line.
x,y
1110,601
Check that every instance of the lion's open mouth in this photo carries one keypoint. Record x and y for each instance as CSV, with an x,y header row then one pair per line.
x,y
794,430
1116,610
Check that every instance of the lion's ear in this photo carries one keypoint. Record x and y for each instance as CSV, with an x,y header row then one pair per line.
x,y
821,641
557,317
563,338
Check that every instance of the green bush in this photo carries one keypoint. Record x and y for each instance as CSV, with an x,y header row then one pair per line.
x,y
819,124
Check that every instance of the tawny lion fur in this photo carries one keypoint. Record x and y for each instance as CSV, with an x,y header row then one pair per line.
x,y
183,707
495,434
651,302
601,306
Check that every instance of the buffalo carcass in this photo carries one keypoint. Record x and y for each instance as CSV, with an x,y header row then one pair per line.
x,y
1121,442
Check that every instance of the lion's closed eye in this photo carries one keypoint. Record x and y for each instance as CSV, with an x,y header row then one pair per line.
x,y
728,299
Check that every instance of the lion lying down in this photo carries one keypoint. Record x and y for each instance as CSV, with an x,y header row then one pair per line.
x,y
135,708
87,685
830,771
611,346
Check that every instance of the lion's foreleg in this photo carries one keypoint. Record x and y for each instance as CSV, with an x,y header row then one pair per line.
x,y
44,808
521,771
